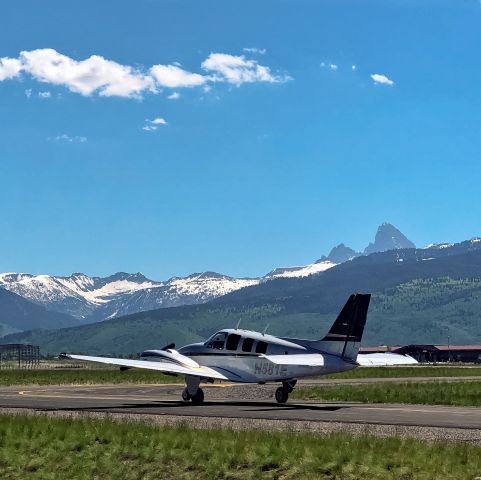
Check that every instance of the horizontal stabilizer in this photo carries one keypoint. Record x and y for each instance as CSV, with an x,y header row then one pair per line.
x,y
384,359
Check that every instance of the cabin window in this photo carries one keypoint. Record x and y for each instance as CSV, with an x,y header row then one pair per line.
x,y
261,347
247,345
217,341
232,341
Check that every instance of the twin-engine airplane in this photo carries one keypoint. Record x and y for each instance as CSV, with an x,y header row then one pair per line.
x,y
245,356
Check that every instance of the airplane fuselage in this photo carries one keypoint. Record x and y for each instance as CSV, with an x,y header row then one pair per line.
x,y
242,356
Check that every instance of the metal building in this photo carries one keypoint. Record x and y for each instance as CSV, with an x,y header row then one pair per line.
x,y
19,355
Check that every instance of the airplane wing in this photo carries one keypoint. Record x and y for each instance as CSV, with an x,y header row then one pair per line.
x,y
384,359
301,359
161,366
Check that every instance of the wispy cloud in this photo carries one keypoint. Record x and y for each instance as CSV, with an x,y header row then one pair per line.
x,y
107,78
174,96
330,65
237,69
44,95
381,79
68,138
152,125
260,51
172,76
28,92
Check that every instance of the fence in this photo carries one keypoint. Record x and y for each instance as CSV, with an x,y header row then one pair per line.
x,y
17,355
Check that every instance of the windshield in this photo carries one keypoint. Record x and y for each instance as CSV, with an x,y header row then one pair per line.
x,y
217,341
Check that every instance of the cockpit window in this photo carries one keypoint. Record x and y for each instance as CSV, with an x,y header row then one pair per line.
x,y
217,341
247,345
261,347
232,341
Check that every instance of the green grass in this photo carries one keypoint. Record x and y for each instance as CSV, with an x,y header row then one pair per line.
x,y
82,376
50,449
99,375
418,371
434,393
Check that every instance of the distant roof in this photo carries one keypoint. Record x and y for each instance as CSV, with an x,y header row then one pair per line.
x,y
458,347
395,348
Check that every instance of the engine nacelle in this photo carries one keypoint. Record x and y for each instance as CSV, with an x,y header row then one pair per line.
x,y
169,355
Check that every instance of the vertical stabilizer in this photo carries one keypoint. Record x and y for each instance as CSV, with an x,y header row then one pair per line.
x,y
344,337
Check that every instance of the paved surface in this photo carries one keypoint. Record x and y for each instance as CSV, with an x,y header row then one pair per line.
x,y
361,381
160,400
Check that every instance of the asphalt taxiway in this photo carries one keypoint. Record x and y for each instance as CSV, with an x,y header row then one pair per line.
x,y
164,400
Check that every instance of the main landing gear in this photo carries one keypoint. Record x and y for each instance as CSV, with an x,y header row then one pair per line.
x,y
192,391
197,398
282,393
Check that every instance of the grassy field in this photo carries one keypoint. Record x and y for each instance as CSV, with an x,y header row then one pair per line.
x,y
50,449
417,371
79,376
434,393
82,376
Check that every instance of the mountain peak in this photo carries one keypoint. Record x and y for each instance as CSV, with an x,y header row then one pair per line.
x,y
388,237
340,254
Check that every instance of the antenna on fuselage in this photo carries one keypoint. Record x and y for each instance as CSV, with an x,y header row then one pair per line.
x,y
265,329
238,323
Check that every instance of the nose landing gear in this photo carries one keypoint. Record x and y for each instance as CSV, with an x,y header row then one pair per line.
x,y
282,393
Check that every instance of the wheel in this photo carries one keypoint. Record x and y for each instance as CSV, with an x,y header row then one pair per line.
x,y
185,395
198,398
282,395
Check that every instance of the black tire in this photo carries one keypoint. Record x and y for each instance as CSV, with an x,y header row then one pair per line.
x,y
198,398
282,395
186,395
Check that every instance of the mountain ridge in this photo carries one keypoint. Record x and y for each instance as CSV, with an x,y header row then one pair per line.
x,y
418,295
93,298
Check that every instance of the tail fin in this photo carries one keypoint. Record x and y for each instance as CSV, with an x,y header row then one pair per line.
x,y
344,337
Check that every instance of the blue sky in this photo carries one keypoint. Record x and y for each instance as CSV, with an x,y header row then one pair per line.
x,y
268,157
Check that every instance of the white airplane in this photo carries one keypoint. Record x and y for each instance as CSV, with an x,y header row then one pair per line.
x,y
244,356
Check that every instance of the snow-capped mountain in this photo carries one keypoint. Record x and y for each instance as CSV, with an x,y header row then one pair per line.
x,y
78,295
90,299
291,272
97,298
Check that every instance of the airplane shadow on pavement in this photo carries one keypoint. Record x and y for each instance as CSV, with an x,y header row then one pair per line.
x,y
251,406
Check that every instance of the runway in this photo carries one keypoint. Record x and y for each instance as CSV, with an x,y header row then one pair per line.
x,y
220,402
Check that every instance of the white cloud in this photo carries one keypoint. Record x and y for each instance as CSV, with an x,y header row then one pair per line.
x,y
44,95
28,92
152,125
9,68
98,75
158,121
238,70
353,67
333,66
382,79
174,96
95,74
260,51
172,76
68,139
